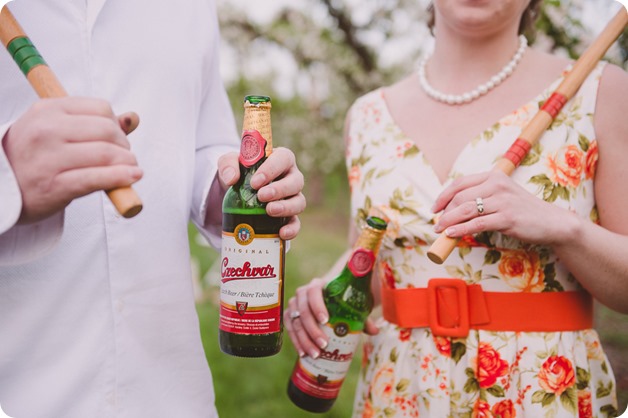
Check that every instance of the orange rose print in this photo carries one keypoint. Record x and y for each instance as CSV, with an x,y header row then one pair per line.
x,y
389,277
404,334
481,409
368,410
354,176
520,117
504,409
585,409
468,241
489,365
567,166
556,375
590,160
522,270
407,407
592,343
443,344
383,384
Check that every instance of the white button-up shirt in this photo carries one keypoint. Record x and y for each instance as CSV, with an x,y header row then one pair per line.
x,y
97,317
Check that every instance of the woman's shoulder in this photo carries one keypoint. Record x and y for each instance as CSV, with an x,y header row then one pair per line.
x,y
613,84
610,108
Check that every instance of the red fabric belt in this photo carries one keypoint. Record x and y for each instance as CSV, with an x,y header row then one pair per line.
x,y
450,307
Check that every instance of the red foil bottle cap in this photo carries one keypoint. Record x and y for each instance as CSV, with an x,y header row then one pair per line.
x,y
361,262
252,148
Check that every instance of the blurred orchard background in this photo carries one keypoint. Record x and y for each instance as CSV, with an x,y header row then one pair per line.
x,y
314,58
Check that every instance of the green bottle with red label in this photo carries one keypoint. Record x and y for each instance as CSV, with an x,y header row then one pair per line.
x,y
252,254
315,383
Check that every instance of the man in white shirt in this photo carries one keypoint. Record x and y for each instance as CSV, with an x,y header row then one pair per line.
x,y
97,317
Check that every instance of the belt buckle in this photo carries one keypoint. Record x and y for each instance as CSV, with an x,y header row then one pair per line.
x,y
448,307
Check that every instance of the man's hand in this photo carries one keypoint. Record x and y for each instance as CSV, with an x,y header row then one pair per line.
x,y
61,149
278,181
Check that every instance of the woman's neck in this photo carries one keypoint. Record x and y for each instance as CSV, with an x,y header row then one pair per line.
x,y
459,63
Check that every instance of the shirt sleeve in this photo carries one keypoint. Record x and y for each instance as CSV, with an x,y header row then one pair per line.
x,y
21,243
216,135
9,190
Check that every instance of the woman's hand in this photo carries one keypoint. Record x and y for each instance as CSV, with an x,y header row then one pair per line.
x,y
305,314
504,206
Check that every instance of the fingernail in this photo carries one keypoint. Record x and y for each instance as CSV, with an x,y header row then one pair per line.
x,y
301,353
314,353
135,172
275,209
267,193
227,174
438,228
286,231
450,232
321,343
322,319
258,180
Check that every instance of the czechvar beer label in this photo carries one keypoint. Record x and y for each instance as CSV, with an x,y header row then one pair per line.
x,y
323,377
250,291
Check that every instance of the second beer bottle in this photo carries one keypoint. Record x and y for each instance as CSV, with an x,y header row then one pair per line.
x,y
315,383
252,255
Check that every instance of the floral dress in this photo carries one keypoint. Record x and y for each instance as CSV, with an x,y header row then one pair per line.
x,y
412,373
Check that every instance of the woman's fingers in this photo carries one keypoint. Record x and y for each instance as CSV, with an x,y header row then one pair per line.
x,y
301,319
455,188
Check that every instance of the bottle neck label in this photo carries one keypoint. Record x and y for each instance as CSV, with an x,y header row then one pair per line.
x,y
361,262
252,148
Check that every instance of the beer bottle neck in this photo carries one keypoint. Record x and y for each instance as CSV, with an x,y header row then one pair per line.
x,y
369,239
257,118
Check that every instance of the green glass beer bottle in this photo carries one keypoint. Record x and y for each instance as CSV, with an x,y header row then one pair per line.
x,y
315,383
252,254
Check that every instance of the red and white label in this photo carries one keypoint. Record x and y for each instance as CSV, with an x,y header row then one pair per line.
x,y
250,289
323,377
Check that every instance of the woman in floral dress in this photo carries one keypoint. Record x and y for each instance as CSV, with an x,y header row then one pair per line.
x,y
558,226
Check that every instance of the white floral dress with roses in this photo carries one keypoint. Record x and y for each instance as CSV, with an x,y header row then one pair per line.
x,y
410,372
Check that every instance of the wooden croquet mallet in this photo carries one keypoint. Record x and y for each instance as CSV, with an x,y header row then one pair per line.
x,y
532,132
46,85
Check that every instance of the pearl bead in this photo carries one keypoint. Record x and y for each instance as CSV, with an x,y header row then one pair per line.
x,y
482,89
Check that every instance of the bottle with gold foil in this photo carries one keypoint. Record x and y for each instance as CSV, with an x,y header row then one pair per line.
x,y
315,383
252,254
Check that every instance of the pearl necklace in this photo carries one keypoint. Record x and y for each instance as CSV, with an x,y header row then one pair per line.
x,y
482,89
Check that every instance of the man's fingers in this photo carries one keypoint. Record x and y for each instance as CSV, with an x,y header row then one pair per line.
x,y
86,128
287,207
83,181
94,154
291,229
278,163
84,106
228,169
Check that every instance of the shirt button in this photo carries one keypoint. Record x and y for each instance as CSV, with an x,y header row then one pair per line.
x,y
119,306
111,398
